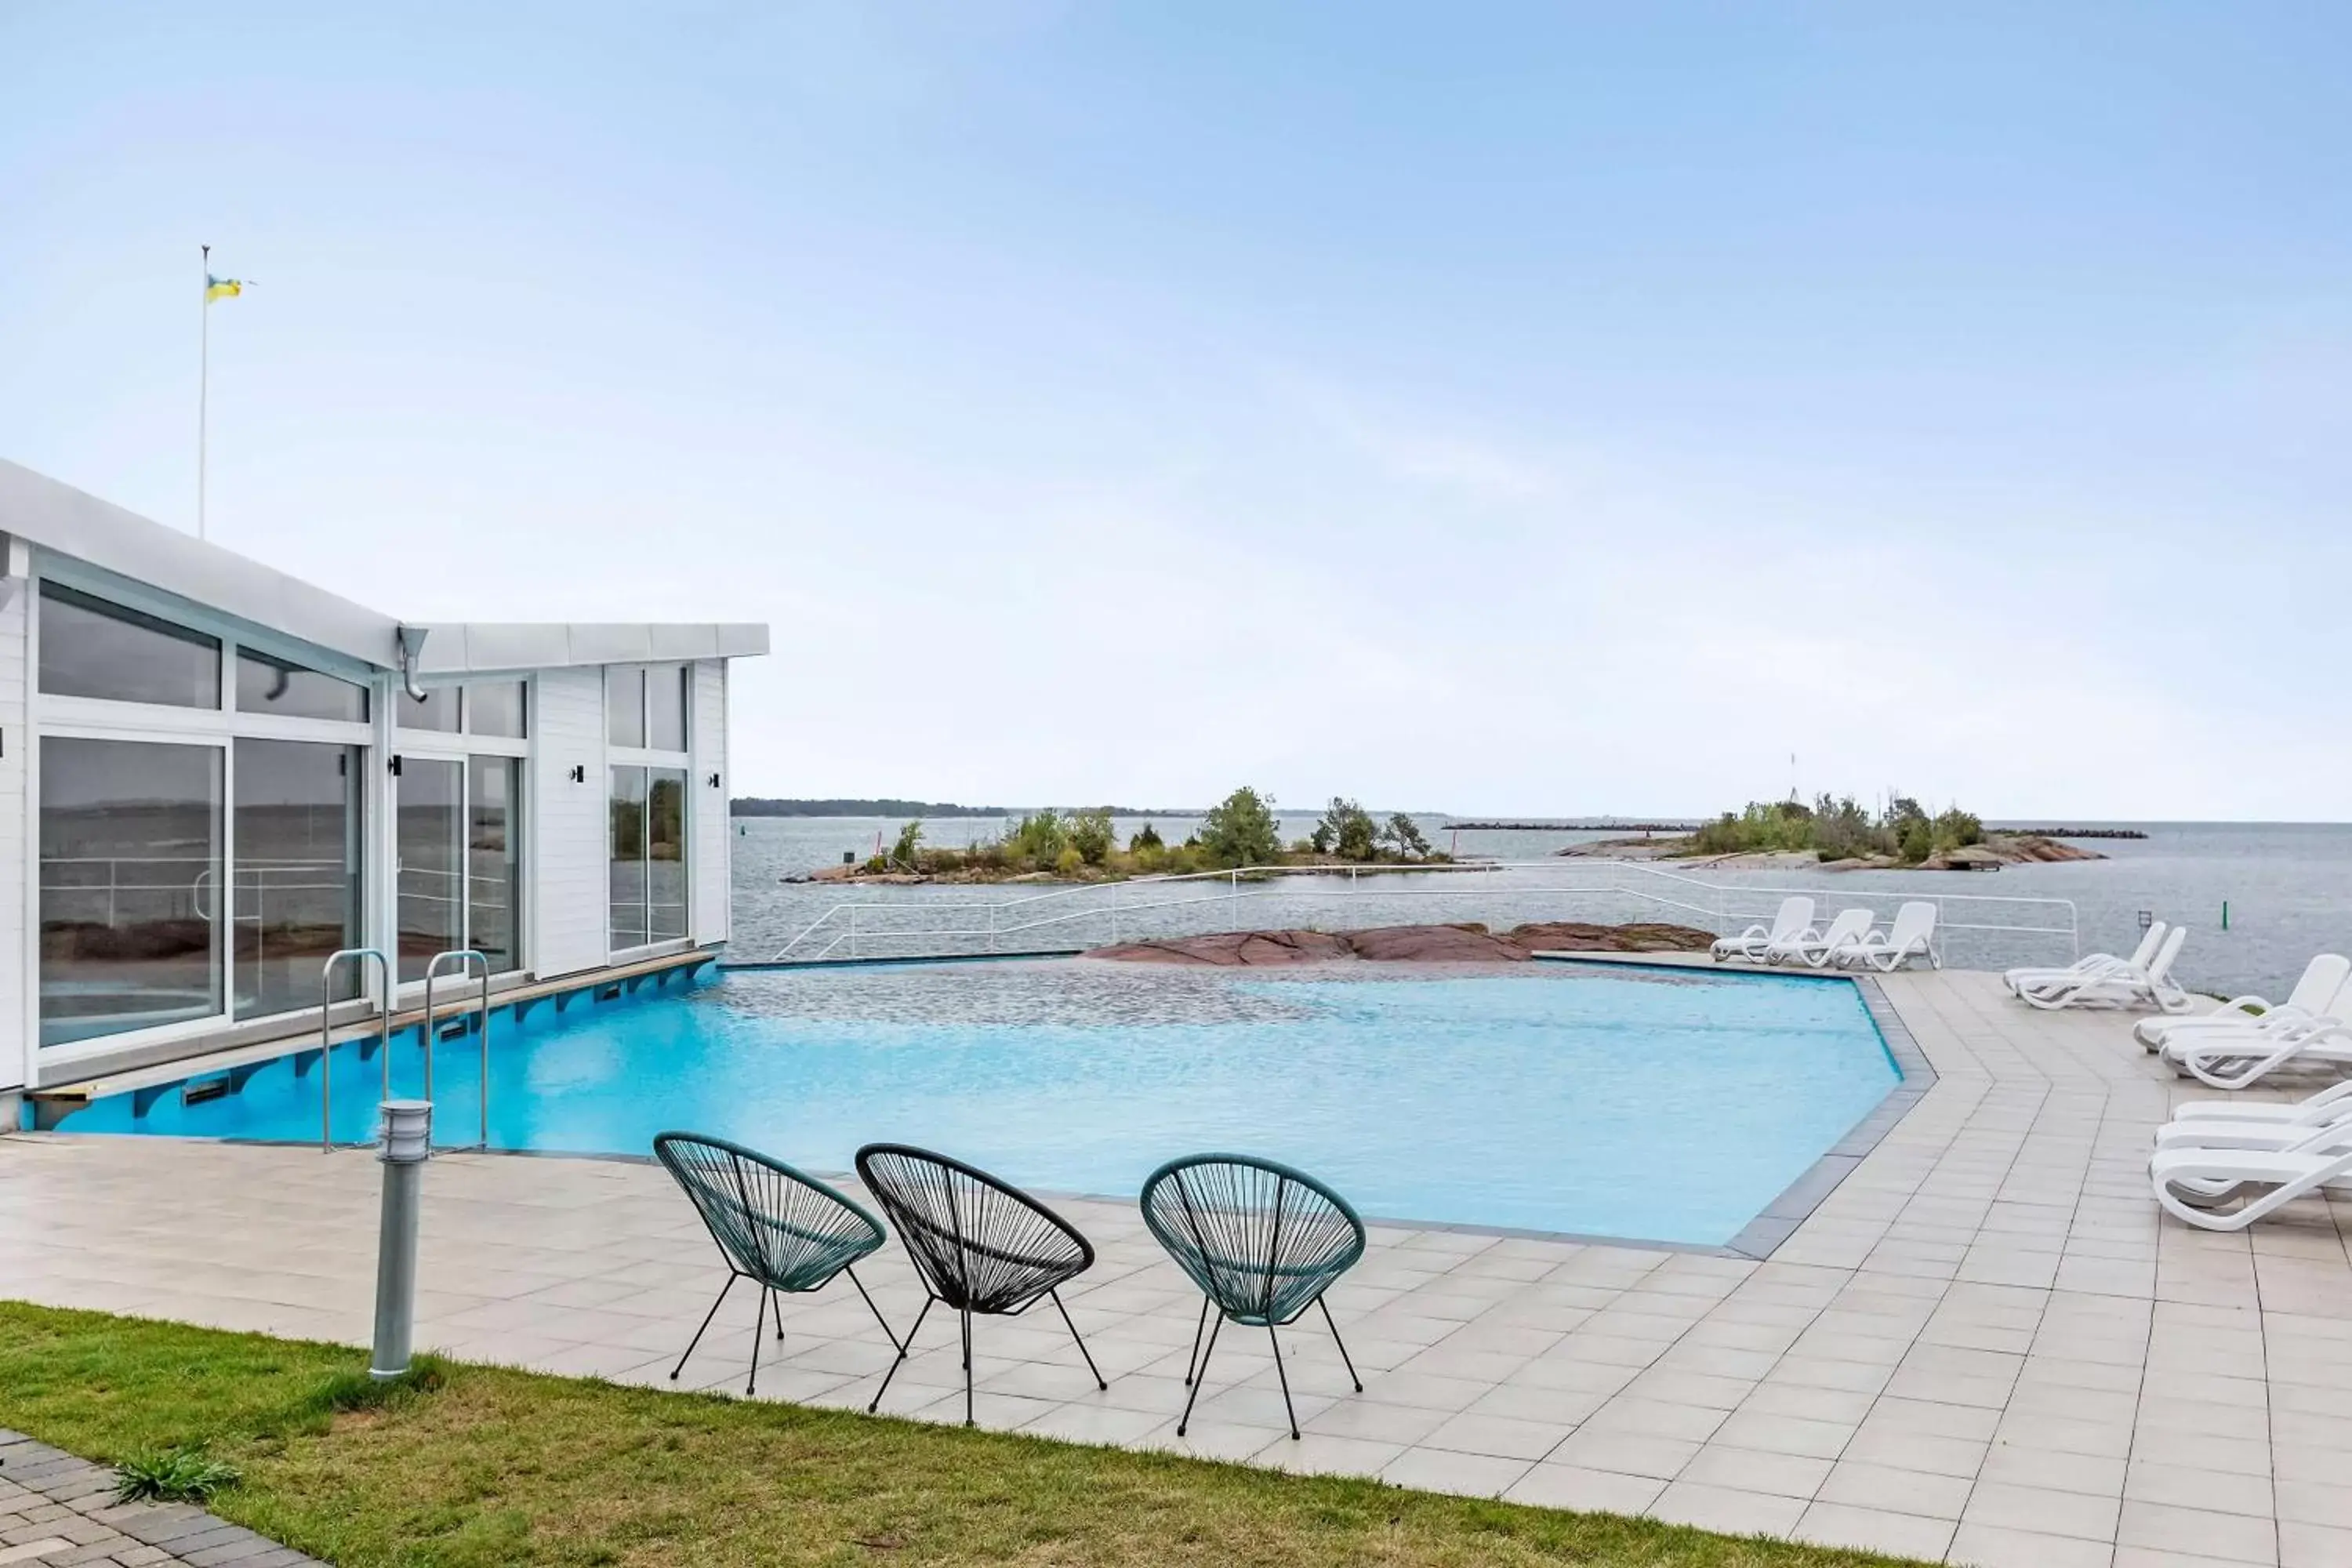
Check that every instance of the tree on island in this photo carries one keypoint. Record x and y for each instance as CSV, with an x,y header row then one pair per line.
x,y
1240,830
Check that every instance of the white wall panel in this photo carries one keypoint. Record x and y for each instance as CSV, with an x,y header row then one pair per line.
x,y
710,835
569,881
17,1017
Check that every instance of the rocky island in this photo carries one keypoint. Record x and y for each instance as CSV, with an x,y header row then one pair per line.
x,y
1241,831
1839,835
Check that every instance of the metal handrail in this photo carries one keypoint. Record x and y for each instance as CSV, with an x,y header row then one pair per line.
x,y
1711,900
325,1040
463,955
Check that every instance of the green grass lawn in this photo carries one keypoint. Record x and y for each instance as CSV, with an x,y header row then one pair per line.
x,y
498,1468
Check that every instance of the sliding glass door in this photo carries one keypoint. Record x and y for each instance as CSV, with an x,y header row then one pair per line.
x,y
431,860
649,857
296,872
131,886
494,861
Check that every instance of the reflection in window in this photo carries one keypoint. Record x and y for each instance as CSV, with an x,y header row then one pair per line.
x,y
666,854
92,649
297,871
624,707
430,879
438,711
268,685
628,834
131,885
665,709
493,859
495,707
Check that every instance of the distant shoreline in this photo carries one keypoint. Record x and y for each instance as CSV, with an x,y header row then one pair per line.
x,y
769,806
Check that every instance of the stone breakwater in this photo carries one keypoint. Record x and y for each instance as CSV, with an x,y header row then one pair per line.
x,y
1465,943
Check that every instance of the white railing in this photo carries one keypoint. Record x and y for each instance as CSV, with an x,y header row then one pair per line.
x,y
1989,925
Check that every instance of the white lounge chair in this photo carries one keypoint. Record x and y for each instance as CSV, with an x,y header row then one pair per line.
x,y
2314,997
2228,1059
1912,935
1796,916
2090,965
1814,947
2121,987
2190,1182
2277,1137
2317,1108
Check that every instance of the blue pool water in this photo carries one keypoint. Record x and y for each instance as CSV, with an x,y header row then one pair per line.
x,y
1650,1104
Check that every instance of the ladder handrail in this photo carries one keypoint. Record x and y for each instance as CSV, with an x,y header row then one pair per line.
x,y
462,955
326,1032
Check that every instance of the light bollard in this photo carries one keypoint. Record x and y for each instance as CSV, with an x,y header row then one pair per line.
x,y
404,1142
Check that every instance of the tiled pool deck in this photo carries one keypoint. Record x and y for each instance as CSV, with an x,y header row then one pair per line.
x,y
1985,1344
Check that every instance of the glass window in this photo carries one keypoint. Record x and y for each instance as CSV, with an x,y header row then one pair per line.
x,y
665,709
628,885
493,860
624,707
666,854
92,649
438,711
297,871
430,864
495,707
130,887
268,685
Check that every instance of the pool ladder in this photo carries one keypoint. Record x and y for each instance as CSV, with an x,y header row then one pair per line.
x,y
467,957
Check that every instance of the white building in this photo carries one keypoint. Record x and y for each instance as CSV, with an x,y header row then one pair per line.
x,y
213,777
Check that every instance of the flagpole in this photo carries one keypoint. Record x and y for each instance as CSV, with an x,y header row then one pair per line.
x,y
203,382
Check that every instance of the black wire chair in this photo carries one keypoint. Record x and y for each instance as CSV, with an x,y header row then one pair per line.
x,y
773,1224
1263,1242
980,1244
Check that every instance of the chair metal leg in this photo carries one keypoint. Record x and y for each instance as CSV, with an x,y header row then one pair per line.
x,y
759,1322
903,1349
680,1367
1285,1376
1344,1357
870,1307
967,1367
1201,1377
1198,1330
1056,1295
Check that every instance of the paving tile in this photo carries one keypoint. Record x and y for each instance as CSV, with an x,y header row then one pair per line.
x,y
1725,1510
1872,1530
1585,1492
1467,1474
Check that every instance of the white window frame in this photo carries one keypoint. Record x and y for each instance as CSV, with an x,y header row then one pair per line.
x,y
648,757
100,719
460,745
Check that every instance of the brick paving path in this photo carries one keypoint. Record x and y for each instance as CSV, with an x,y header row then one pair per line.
x,y
57,1510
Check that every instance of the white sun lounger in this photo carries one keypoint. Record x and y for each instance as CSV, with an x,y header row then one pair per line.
x,y
2314,997
1796,917
2089,964
2328,1128
1911,936
1814,947
2121,987
2317,1108
2233,1059
2188,1181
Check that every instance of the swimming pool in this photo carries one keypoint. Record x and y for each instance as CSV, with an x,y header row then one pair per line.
x,y
1661,1105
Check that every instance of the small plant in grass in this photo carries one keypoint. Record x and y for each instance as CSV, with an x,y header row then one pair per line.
x,y
174,1475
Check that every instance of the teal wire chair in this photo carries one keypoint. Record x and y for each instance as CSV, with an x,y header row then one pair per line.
x,y
776,1226
1262,1241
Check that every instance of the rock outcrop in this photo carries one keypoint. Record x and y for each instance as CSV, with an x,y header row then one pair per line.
x,y
1463,943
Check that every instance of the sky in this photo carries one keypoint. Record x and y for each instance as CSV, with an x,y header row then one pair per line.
x,y
1543,409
